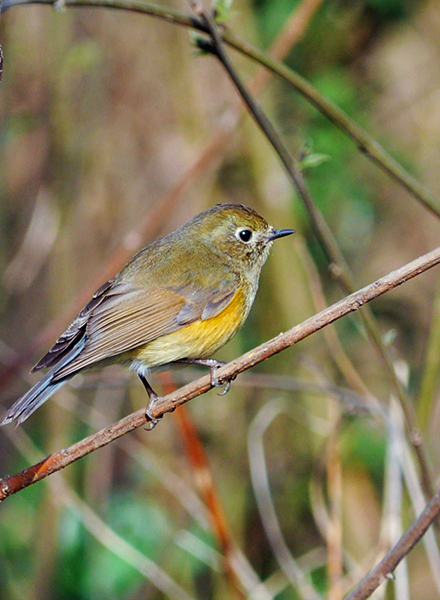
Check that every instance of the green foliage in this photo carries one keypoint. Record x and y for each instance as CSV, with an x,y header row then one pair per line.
x,y
392,10
91,570
313,160
271,16
364,445
223,11
203,44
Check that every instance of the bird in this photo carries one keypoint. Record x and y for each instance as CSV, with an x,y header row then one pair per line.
x,y
178,300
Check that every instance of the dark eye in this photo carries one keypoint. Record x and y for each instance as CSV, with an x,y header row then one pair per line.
x,y
244,235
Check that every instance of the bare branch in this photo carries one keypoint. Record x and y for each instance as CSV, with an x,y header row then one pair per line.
x,y
1,49
61,459
323,233
385,568
365,142
155,218
268,516
64,495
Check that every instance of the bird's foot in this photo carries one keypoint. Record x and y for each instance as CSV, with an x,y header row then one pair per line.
x,y
152,421
215,382
213,365
153,399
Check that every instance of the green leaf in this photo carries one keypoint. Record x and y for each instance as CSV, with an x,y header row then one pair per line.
x,y
203,45
313,160
222,11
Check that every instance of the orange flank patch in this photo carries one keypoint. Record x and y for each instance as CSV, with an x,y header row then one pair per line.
x,y
197,340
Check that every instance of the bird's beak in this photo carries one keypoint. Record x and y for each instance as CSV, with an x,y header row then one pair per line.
x,y
279,233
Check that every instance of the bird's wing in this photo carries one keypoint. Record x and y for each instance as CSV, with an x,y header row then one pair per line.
x,y
121,317
76,329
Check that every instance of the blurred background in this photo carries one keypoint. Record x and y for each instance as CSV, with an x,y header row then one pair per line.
x,y
113,131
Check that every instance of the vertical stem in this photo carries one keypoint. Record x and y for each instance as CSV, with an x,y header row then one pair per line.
x,y
324,235
1,49
431,370
334,486
203,479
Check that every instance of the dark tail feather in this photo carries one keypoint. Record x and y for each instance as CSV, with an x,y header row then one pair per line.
x,y
41,391
27,404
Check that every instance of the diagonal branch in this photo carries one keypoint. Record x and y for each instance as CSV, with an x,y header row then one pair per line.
x,y
61,459
410,538
365,142
204,22
322,231
1,49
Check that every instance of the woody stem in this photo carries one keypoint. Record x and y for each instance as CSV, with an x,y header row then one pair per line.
x,y
337,262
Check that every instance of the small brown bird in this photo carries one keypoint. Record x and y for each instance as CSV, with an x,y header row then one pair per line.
x,y
177,300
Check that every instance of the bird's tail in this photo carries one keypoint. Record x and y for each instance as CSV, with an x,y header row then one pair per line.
x,y
41,391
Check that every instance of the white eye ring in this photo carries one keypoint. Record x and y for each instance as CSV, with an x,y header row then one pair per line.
x,y
244,234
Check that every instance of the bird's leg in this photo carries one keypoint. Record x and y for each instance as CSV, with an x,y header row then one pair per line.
x,y
152,401
213,365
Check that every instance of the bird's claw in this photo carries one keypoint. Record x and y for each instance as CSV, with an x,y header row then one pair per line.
x,y
215,382
213,365
226,388
152,421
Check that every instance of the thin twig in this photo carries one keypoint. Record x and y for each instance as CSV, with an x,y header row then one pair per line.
x,y
334,487
415,491
393,509
323,232
101,531
260,483
59,460
431,367
155,218
365,142
240,579
1,49
384,570
147,228
351,401
390,522
324,235
336,350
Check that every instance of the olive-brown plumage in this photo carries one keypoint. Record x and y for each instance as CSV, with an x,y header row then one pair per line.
x,y
180,298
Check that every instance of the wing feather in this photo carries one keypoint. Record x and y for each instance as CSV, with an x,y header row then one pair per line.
x,y
75,332
126,323
123,317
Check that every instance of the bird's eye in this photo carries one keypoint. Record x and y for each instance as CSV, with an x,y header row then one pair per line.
x,y
245,235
